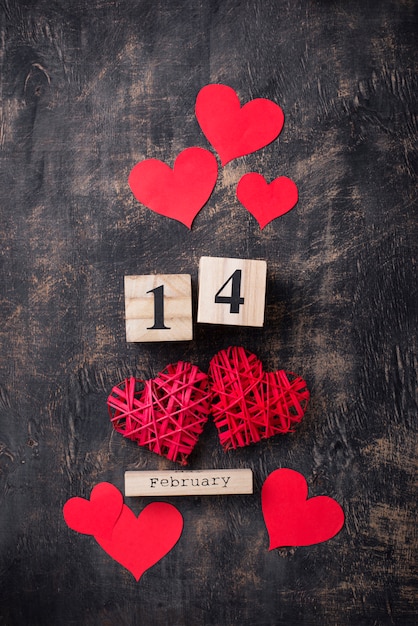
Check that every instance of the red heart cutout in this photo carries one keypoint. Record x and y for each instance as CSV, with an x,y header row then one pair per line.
x,y
248,404
266,201
235,131
98,515
180,192
166,414
292,519
137,543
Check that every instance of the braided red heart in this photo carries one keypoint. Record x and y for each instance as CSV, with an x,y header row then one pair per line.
x,y
165,414
249,404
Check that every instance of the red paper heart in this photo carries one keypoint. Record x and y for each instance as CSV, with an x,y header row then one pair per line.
x,y
180,192
98,515
248,404
137,543
166,414
233,130
266,201
292,519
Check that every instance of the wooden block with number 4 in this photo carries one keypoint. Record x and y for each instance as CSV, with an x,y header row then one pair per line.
x,y
232,291
158,307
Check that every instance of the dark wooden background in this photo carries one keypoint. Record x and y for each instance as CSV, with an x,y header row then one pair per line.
x,y
88,89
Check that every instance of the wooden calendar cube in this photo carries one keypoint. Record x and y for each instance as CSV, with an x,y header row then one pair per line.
x,y
158,307
232,291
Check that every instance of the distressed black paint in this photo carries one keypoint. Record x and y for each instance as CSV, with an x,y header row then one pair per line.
x,y
87,90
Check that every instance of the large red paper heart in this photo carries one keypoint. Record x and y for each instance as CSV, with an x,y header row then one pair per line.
x,y
137,543
235,131
166,414
248,404
291,518
180,192
266,201
98,515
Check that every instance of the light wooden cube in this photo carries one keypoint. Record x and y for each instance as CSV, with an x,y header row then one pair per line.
x,y
158,307
232,291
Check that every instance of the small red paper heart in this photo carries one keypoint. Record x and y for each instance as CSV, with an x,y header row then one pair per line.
x,y
166,414
266,201
248,404
98,515
235,131
138,543
291,518
178,193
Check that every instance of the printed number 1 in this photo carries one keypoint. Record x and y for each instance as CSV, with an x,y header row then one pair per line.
x,y
234,300
158,309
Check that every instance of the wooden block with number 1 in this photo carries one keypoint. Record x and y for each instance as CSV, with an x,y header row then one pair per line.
x,y
158,307
232,291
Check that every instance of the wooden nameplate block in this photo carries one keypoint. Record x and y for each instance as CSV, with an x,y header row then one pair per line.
x,y
194,483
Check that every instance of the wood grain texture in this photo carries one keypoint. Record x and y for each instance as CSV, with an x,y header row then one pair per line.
x,y
158,307
88,89
232,291
207,482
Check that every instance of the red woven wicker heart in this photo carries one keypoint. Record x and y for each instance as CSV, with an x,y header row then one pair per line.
x,y
166,414
248,404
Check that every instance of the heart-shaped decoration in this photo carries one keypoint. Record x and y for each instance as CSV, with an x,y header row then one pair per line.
x,y
266,201
165,414
137,543
96,516
291,518
249,404
180,192
235,131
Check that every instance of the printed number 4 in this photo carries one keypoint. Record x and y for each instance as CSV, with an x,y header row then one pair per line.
x,y
234,300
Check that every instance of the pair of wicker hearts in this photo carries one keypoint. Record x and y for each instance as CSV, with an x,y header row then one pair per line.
x,y
167,414
233,131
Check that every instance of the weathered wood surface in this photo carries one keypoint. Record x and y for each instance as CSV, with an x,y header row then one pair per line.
x,y
89,88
